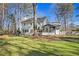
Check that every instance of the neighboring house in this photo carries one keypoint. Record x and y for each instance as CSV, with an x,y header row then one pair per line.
x,y
27,25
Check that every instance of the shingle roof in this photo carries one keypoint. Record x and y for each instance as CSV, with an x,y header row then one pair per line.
x,y
55,23
30,20
49,25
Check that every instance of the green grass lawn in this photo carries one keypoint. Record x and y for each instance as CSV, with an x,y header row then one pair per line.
x,y
21,46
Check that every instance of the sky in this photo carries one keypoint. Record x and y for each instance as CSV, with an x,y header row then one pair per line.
x,y
47,9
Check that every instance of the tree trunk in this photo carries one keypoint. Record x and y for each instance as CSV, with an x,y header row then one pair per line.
x,y
65,27
14,24
35,19
3,16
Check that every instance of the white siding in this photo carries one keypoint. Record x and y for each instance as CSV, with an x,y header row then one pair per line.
x,y
57,32
47,33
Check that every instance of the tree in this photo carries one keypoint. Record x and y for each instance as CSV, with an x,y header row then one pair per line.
x,y
27,9
65,10
12,17
3,10
35,19
0,17
15,17
13,20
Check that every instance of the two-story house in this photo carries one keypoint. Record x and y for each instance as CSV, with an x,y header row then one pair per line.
x,y
27,25
42,23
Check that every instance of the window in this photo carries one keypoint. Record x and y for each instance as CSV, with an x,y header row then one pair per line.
x,y
24,24
25,31
46,29
30,23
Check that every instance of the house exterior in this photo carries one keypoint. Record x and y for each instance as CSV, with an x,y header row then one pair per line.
x,y
51,29
42,24
27,25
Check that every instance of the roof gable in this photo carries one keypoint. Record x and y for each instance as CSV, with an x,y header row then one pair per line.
x,y
30,20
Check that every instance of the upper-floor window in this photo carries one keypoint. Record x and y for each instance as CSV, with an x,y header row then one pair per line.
x,y
30,23
24,24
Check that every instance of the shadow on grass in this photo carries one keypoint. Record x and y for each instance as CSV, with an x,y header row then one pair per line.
x,y
70,39
54,51
3,48
42,53
57,50
3,42
43,50
34,51
39,51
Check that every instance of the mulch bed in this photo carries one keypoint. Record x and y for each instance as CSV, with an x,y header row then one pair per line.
x,y
4,37
48,38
